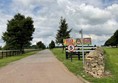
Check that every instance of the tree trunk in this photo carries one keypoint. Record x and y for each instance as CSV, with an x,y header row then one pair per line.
x,y
21,49
62,48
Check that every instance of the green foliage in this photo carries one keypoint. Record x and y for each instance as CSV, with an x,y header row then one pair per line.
x,y
0,48
33,47
52,45
40,45
111,64
62,33
19,32
113,41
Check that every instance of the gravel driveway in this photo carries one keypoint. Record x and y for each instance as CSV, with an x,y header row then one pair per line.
x,y
42,67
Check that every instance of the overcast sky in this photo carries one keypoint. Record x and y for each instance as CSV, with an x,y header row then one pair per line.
x,y
97,18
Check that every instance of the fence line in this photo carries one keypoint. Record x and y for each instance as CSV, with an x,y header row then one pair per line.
x,y
7,53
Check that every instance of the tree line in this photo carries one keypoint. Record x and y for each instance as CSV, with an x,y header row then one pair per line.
x,y
113,40
20,30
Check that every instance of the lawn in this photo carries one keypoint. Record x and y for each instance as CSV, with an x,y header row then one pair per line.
x,y
111,60
7,60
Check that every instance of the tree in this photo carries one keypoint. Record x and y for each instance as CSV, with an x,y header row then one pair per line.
x,y
113,40
0,48
110,41
116,38
63,32
52,45
40,45
33,47
19,32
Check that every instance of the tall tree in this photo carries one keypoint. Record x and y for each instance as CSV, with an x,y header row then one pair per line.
x,y
41,45
0,48
52,45
19,32
33,47
113,40
63,32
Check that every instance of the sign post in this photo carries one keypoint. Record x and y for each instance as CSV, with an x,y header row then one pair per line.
x,y
71,48
81,32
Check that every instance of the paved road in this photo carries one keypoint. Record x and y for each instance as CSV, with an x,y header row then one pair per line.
x,y
42,67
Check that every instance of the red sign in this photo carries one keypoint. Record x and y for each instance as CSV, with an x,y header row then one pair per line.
x,y
71,48
78,41
69,41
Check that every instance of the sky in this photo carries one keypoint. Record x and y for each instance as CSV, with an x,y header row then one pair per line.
x,y
97,18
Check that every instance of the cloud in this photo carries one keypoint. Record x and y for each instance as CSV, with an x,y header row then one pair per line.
x,y
97,20
1,43
3,22
93,20
113,9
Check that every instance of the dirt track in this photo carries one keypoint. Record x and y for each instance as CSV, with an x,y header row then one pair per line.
x,y
42,67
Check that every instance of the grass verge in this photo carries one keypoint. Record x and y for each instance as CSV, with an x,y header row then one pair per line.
x,y
111,60
7,60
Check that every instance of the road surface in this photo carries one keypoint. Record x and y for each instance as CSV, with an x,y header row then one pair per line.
x,y
42,67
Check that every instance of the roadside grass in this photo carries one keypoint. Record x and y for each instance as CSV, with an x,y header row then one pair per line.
x,y
7,60
76,67
112,62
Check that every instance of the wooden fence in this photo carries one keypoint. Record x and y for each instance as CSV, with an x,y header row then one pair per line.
x,y
78,51
7,53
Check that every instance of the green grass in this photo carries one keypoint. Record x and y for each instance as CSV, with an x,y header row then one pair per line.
x,y
111,61
7,60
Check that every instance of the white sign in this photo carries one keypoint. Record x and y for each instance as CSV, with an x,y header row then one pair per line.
x,y
71,48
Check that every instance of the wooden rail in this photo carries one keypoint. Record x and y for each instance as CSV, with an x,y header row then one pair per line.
x,y
78,51
7,53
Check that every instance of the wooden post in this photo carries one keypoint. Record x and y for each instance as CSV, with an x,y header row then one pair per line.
x,y
71,56
2,54
10,53
66,55
6,53
78,55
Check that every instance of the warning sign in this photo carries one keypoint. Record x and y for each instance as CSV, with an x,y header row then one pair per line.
x,y
71,48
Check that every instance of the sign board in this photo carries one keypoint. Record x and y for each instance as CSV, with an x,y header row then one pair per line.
x,y
69,41
86,41
78,41
71,48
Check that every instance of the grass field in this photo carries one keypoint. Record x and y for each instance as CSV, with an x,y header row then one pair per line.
x,y
111,60
7,60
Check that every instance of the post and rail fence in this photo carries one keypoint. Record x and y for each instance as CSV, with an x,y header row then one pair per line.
x,y
8,53
78,51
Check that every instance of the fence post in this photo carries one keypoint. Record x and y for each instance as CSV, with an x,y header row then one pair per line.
x,y
66,55
9,53
2,55
78,55
71,56
12,53
6,53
